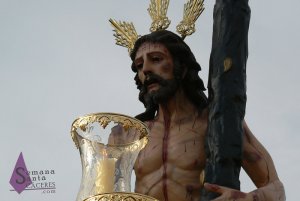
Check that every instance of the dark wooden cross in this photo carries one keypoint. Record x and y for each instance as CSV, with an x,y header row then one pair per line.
x,y
227,94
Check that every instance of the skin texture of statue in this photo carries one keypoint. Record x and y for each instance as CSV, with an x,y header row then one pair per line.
x,y
170,166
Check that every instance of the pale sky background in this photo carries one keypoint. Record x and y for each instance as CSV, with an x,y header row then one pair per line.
x,y
58,61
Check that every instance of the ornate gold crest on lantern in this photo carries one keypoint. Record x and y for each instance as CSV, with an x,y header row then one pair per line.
x,y
109,143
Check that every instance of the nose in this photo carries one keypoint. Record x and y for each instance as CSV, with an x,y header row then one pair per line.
x,y
147,68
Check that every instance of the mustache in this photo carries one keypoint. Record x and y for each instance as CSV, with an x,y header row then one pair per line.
x,y
153,78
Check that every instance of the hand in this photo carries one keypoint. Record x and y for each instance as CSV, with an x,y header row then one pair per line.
x,y
228,194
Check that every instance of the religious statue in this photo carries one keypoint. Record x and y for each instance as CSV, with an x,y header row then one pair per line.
x,y
197,144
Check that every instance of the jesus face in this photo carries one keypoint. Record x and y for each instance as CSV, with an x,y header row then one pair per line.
x,y
155,68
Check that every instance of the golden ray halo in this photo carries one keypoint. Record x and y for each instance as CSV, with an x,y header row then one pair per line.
x,y
126,34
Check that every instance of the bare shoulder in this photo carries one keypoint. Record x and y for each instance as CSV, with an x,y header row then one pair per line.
x,y
119,135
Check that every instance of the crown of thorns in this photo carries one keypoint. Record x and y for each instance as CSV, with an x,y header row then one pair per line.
x,y
126,34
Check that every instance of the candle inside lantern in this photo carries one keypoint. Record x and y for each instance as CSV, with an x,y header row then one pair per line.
x,y
105,174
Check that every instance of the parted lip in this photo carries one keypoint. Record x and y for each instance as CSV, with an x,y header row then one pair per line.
x,y
152,80
152,85
149,82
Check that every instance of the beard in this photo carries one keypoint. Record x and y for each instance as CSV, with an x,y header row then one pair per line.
x,y
167,89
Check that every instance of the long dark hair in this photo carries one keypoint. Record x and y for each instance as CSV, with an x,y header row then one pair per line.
x,y
183,58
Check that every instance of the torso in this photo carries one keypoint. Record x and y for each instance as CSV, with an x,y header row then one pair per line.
x,y
169,167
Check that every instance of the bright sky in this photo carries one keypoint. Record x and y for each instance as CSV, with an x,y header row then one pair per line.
x,y
58,61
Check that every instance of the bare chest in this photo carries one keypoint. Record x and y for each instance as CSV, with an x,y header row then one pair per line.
x,y
177,148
